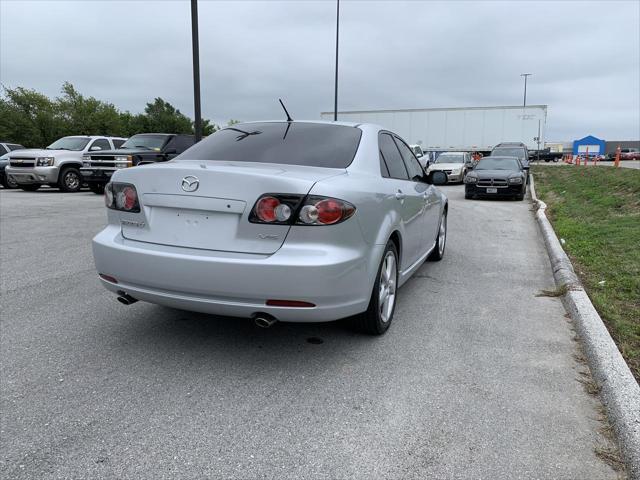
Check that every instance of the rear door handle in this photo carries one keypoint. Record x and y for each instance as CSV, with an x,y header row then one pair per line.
x,y
400,195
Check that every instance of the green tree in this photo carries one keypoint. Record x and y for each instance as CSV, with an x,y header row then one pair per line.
x,y
87,116
28,117
165,118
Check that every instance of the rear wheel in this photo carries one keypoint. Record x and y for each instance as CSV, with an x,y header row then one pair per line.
x,y
30,187
468,196
379,314
441,240
70,180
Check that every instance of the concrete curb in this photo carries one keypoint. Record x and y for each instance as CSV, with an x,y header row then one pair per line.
x,y
619,390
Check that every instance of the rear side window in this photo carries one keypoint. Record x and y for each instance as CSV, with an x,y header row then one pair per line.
x,y
392,157
102,143
3,150
180,143
411,162
14,146
117,142
293,143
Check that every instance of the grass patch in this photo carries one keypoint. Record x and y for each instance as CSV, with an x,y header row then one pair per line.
x,y
596,210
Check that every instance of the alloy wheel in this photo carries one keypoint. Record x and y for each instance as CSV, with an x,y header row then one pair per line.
x,y
388,281
71,180
442,234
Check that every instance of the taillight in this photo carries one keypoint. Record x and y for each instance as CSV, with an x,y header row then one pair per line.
x,y
283,209
324,211
121,196
275,208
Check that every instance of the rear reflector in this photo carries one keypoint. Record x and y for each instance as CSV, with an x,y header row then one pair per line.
x,y
289,303
108,278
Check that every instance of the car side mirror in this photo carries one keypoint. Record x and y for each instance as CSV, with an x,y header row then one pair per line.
x,y
95,148
437,178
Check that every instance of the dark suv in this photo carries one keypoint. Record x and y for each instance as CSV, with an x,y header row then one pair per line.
x,y
512,149
97,167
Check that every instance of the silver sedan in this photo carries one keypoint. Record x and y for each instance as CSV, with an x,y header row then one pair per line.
x,y
279,221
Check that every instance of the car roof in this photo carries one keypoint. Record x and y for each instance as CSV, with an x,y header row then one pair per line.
x,y
92,136
322,122
448,152
501,157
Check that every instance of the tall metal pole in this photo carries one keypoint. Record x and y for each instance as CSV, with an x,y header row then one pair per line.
x,y
335,94
196,70
525,75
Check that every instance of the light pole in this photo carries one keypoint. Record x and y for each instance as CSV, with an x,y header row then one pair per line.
x,y
525,75
335,93
197,124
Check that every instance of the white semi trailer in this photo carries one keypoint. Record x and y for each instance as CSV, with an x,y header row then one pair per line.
x,y
458,129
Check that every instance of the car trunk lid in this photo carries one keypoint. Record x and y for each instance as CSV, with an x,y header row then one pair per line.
x,y
214,214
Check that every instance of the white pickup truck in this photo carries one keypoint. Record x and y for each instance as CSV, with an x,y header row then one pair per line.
x,y
58,165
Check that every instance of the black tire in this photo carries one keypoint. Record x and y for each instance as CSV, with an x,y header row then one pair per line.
x,y
8,183
372,321
97,188
30,187
70,180
468,196
438,252
520,197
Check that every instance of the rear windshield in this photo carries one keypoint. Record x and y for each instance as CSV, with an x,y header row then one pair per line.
x,y
310,144
450,158
498,163
509,152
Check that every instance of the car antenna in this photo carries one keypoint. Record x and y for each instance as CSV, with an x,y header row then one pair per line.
x,y
289,119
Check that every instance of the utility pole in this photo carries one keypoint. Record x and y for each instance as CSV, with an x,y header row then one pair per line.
x,y
525,75
335,93
197,124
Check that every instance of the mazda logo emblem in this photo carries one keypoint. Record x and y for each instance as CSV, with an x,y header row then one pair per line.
x,y
190,183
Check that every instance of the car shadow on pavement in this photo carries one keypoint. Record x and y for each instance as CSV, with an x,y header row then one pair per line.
x,y
166,333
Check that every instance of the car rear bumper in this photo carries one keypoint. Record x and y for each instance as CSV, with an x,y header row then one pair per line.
x,y
33,175
509,191
337,280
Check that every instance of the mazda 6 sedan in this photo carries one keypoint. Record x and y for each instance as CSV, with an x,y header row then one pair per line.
x,y
278,221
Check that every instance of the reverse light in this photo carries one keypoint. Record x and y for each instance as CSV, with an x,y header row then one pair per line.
x,y
121,196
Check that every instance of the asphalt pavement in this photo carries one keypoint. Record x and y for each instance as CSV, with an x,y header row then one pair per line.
x,y
475,379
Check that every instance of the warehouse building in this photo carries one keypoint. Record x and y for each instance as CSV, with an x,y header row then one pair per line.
x,y
593,145
612,145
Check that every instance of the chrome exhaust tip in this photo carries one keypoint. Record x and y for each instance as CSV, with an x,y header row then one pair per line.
x,y
264,320
125,299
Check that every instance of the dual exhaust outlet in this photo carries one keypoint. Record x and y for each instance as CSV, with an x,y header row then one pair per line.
x,y
262,320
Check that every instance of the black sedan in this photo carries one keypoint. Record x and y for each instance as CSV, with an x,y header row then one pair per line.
x,y
496,177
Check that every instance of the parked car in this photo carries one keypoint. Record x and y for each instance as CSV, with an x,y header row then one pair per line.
x,y
546,155
495,176
512,150
5,149
58,165
626,154
417,151
290,221
97,168
454,164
